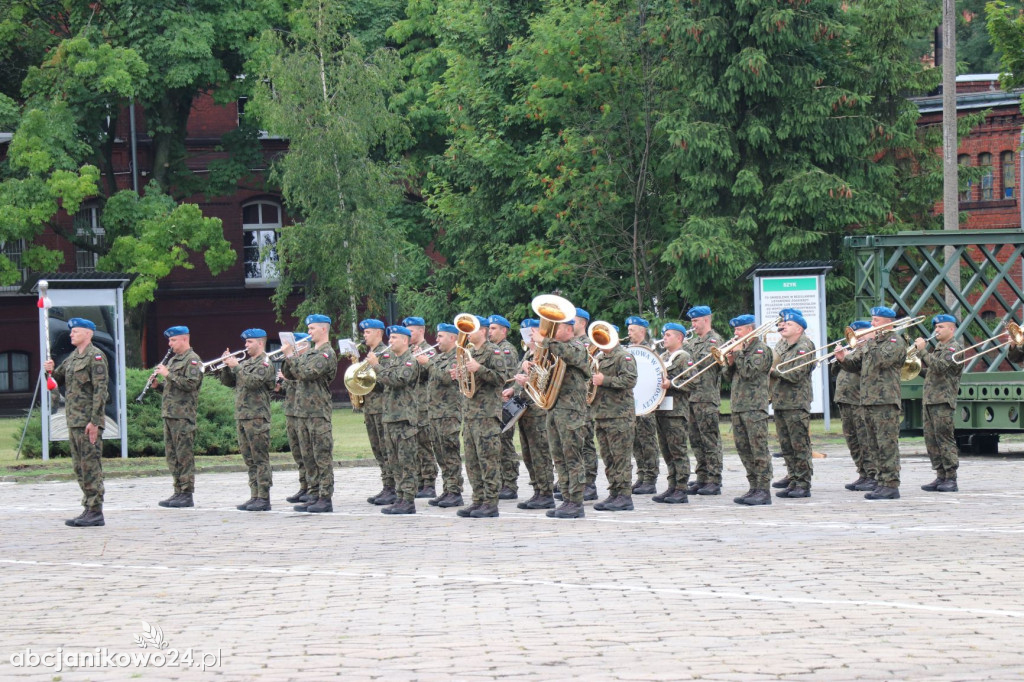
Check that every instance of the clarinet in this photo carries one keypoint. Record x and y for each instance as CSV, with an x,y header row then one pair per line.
x,y
145,388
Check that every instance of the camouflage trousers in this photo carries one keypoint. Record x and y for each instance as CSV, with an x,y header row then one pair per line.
x,y
794,430
254,443
940,440
883,429
672,436
706,442
855,433
444,432
566,432
291,428
87,459
482,440
179,436
590,452
317,444
645,449
509,461
750,431
533,438
425,446
615,437
378,445
403,457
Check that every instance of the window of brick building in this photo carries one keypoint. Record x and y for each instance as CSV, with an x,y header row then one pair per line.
x,y
985,161
13,250
965,194
1009,167
260,222
14,376
88,228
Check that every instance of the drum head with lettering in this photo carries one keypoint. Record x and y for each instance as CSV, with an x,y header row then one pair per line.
x,y
650,372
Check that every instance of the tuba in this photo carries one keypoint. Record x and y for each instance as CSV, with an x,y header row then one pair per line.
x,y
547,372
603,337
466,324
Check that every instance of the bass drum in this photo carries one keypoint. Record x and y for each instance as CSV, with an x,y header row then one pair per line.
x,y
650,372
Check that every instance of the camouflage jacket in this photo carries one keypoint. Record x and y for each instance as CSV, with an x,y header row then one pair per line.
x,y
572,397
749,374
614,398
253,380
879,366
444,398
181,386
532,411
675,364
399,379
373,402
941,374
422,389
84,377
490,380
792,390
1015,354
707,388
314,371
291,408
847,383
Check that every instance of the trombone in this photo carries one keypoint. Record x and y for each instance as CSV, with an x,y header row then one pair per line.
x,y
1011,328
851,338
718,355
219,363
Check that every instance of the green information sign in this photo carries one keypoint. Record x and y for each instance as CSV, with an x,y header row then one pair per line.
x,y
790,284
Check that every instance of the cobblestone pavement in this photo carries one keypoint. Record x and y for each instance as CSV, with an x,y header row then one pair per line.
x,y
830,588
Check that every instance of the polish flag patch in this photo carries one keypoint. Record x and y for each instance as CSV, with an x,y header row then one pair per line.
x,y
326,355
759,351
629,358
193,362
408,364
800,352
497,351
507,351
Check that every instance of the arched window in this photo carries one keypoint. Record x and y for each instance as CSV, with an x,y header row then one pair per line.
x,y
985,161
965,193
1009,167
260,222
14,376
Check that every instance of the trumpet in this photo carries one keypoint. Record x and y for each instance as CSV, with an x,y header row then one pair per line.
x,y
145,389
219,364
360,378
603,337
429,351
718,355
1011,328
466,324
299,347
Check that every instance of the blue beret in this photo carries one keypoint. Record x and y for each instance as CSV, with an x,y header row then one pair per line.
x,y
883,311
175,331
301,336
795,317
636,319
857,325
81,322
414,322
530,323
483,321
317,319
399,329
580,312
254,333
674,327
742,320
371,324
498,319
698,311
943,318
784,311
616,328
446,327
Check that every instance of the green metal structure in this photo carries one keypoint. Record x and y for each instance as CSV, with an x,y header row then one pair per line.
x,y
916,274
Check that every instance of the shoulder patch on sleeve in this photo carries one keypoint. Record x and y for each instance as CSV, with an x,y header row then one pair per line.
x,y
497,351
507,351
759,350
326,355
629,358
714,340
892,340
386,355
98,357
193,362
266,364
408,364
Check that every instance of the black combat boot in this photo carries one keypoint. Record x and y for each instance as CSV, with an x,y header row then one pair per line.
x,y
454,500
645,489
786,492
507,493
542,502
297,497
620,503
678,496
310,498
321,506
933,486
948,486
564,504
427,491
797,491
522,505
868,484
74,521
184,500
486,511
739,500
853,486
259,504
464,513
599,506
245,505
400,507
693,486
169,500
883,492
93,517
589,492
434,502
781,483
663,496
371,498
758,497
710,489
569,510
387,497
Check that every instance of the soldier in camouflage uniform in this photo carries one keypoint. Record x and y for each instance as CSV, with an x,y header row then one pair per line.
x,y
426,480
85,377
614,414
400,375
879,366
497,333
645,443
314,371
854,429
481,419
182,375
444,412
941,386
253,381
373,416
533,434
673,424
748,368
791,395
567,418
580,325
304,464
1014,354
705,398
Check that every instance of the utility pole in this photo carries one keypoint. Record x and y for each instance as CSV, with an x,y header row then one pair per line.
x,y
950,193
